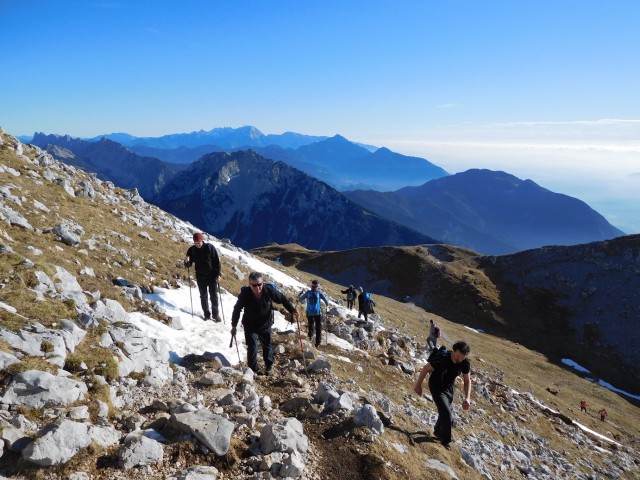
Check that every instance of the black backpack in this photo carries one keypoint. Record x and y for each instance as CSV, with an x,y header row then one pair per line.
x,y
438,354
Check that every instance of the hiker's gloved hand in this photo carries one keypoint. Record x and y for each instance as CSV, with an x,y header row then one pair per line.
x,y
233,331
187,263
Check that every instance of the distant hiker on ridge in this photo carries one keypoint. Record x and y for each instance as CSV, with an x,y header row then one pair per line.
x,y
205,257
351,296
603,414
583,406
257,302
314,310
434,334
365,304
444,367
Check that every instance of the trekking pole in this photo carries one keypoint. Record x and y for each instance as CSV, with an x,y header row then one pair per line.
x,y
326,324
304,360
221,309
190,295
233,337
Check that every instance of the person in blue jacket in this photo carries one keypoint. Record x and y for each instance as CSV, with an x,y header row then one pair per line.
x,y
314,310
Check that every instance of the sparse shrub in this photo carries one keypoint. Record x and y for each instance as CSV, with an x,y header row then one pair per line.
x,y
46,346
108,369
33,414
73,363
101,329
137,376
70,303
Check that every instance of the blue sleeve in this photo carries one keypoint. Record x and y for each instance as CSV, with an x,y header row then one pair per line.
x,y
324,298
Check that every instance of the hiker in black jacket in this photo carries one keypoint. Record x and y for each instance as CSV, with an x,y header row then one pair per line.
x,y
444,370
207,262
351,296
257,302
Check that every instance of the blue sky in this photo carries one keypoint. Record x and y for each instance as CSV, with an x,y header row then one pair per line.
x,y
544,89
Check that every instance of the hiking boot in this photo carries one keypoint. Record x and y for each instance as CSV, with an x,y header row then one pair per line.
x,y
207,316
269,371
216,318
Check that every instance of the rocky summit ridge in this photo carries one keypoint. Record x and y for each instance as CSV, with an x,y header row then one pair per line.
x,y
86,394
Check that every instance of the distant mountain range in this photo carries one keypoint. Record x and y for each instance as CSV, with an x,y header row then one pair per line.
x,y
342,164
239,195
490,212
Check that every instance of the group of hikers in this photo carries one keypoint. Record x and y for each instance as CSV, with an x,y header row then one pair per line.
x,y
256,300
583,408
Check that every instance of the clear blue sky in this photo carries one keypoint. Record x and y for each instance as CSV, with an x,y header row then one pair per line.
x,y
544,89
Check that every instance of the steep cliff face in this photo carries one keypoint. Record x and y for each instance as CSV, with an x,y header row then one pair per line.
x,y
255,201
586,296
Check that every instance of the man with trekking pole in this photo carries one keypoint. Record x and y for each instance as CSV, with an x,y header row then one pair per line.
x,y
256,303
207,262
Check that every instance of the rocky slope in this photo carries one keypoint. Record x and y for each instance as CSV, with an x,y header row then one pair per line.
x,y
575,302
85,394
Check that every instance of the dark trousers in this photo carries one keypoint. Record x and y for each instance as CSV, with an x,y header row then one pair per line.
x,y
362,312
251,337
443,400
350,303
317,320
208,288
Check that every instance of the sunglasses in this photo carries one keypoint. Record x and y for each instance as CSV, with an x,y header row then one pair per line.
x,y
256,285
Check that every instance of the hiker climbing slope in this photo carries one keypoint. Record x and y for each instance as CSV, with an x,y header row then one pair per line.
x,y
365,304
351,296
444,367
205,257
314,310
256,303
434,334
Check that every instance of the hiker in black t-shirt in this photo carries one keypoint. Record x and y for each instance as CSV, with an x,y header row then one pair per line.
x,y
207,262
444,370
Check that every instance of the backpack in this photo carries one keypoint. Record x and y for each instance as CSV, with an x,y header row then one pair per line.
x,y
368,303
269,291
313,303
438,354
436,331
